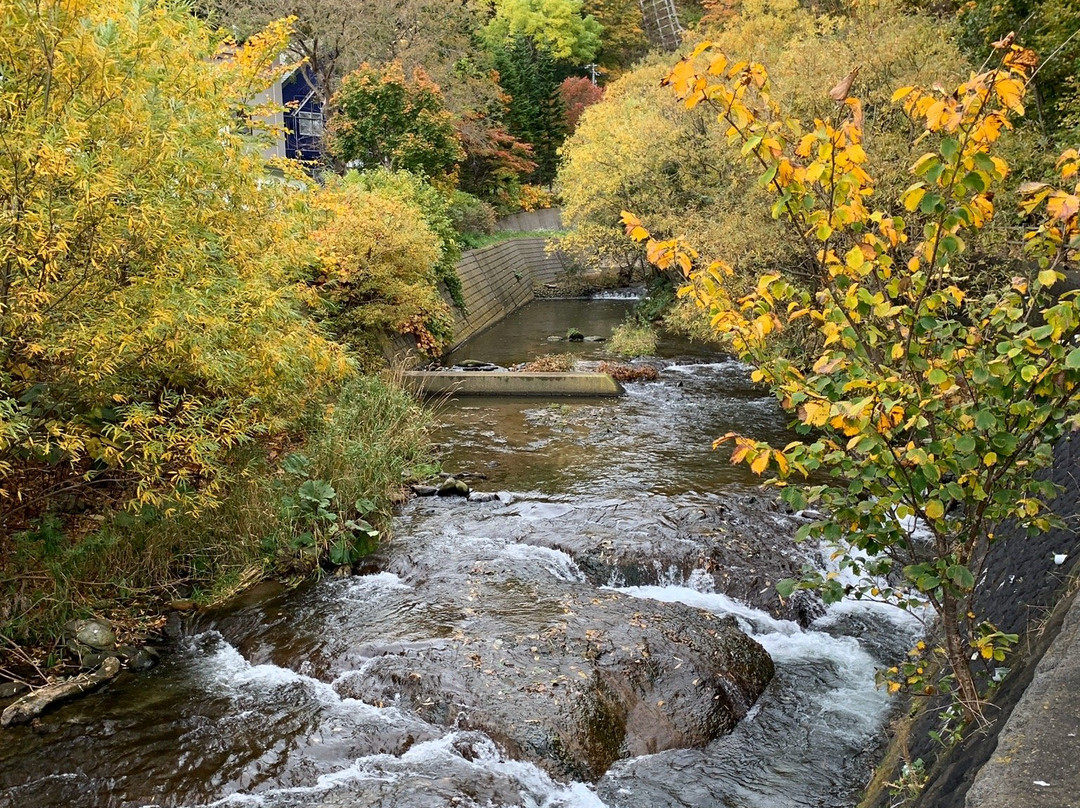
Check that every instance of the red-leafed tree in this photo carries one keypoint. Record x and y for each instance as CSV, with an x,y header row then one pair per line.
x,y
494,163
577,93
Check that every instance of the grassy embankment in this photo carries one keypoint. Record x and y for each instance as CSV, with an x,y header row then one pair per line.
x,y
295,505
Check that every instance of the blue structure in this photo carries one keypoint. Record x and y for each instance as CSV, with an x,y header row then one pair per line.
x,y
304,123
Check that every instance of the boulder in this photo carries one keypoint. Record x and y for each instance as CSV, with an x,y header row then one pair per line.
x,y
96,634
452,487
606,678
741,545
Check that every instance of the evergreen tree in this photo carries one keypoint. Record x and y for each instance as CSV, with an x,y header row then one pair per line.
x,y
531,77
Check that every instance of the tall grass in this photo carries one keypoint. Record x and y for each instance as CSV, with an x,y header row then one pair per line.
x,y
632,338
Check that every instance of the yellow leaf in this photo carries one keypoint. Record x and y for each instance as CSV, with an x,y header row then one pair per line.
x,y
782,464
855,258
934,509
912,197
761,462
1011,93
1048,277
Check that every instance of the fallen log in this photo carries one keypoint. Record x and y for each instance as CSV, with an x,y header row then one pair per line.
x,y
32,704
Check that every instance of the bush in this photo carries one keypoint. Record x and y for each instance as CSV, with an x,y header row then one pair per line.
x,y
470,215
149,322
377,267
435,206
362,450
632,338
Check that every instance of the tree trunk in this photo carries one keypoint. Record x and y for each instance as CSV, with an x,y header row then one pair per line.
x,y
956,652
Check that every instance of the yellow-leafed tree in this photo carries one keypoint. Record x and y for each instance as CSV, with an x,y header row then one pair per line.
x,y
148,260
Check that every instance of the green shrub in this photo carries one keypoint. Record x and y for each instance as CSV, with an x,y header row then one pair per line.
x,y
470,215
632,338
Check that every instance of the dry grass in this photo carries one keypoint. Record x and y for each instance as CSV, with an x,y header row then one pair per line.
x,y
550,363
622,372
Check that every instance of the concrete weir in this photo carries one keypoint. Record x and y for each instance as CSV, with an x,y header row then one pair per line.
x,y
501,383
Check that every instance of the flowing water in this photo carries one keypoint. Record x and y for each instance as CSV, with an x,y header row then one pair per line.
x,y
280,700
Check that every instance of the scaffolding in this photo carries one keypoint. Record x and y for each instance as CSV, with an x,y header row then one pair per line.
x,y
661,23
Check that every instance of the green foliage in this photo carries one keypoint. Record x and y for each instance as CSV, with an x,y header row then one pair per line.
x,y
557,27
632,338
909,784
149,324
471,216
531,76
385,119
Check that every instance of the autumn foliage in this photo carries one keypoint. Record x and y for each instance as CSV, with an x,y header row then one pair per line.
x,y
149,319
927,404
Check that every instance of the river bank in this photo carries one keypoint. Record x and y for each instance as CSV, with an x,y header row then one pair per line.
x,y
294,505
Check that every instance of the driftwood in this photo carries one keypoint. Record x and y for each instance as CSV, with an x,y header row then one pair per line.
x,y
31,705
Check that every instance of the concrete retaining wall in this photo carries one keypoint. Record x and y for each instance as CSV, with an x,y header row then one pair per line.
x,y
527,221
495,281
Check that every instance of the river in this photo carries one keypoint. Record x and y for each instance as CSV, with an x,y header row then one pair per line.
x,y
285,697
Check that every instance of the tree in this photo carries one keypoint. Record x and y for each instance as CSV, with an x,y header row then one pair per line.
x,y
674,168
495,163
927,405
384,119
558,27
622,37
337,36
535,115
149,322
577,93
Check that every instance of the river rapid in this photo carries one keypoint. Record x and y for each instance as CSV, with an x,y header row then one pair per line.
x,y
287,697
